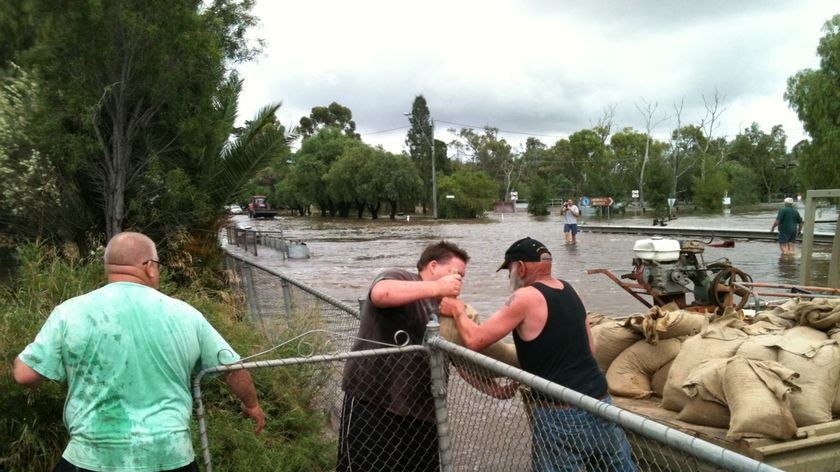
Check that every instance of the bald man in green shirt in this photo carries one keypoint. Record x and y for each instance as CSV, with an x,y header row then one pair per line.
x,y
127,353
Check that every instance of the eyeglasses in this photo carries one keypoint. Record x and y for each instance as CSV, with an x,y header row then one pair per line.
x,y
152,260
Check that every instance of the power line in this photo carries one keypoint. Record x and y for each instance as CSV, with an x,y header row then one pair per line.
x,y
500,129
385,131
463,125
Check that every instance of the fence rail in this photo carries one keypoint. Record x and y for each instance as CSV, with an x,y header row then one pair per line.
x,y
485,410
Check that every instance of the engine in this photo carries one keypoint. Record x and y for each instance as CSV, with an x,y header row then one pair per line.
x,y
670,269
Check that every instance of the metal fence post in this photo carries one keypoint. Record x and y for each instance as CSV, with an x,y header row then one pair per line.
x,y
253,303
287,296
437,364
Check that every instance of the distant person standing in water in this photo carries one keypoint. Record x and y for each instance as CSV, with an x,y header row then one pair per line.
x,y
570,213
789,222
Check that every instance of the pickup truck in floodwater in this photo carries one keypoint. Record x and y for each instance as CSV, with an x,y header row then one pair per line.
x,y
258,207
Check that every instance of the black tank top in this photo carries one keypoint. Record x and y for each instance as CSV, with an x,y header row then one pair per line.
x,y
561,352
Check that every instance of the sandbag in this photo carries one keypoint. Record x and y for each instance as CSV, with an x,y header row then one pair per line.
x,y
720,339
630,373
783,315
706,381
757,395
759,328
660,324
611,339
657,380
705,413
820,313
816,358
760,348
500,350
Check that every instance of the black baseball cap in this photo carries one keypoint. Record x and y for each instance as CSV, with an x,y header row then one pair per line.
x,y
525,250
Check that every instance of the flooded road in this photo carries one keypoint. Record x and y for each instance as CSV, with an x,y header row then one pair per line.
x,y
346,254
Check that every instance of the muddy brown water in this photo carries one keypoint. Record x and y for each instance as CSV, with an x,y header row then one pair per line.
x,y
346,254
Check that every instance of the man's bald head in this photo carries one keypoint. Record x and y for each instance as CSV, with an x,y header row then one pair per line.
x,y
130,249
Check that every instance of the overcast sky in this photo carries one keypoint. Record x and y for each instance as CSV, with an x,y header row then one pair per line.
x,y
542,68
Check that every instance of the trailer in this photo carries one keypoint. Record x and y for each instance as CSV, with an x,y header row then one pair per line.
x,y
814,448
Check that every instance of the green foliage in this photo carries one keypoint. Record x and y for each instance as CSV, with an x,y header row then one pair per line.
x,y
493,156
813,95
744,187
32,434
710,188
657,184
539,195
345,180
391,179
334,116
766,156
473,192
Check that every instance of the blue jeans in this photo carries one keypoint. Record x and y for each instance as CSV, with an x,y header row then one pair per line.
x,y
572,440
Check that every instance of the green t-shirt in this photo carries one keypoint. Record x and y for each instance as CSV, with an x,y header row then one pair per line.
x,y
127,353
789,220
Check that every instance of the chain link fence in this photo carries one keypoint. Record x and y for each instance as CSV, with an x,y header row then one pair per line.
x,y
482,415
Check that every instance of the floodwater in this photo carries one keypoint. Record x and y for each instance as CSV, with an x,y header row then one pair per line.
x,y
346,254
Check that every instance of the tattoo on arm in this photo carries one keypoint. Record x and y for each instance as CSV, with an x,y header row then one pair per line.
x,y
509,301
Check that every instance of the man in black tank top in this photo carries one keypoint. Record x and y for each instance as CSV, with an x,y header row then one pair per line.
x,y
553,341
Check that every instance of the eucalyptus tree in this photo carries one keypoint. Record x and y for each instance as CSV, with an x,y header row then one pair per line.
x,y
648,112
812,93
493,156
128,83
589,160
767,158
630,148
333,115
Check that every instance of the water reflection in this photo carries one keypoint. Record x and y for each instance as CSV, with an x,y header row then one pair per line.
x,y
348,253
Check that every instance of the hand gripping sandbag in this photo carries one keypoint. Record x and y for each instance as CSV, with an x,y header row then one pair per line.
x,y
500,350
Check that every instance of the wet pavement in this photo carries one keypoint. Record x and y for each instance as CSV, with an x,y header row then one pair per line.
x,y
346,254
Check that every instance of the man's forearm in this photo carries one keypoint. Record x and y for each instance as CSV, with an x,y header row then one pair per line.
x,y
241,384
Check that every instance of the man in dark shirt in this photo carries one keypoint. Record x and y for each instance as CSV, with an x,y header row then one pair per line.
x,y
553,341
789,222
387,420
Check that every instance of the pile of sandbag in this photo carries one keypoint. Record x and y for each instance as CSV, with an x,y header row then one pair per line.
x,y
762,377
636,352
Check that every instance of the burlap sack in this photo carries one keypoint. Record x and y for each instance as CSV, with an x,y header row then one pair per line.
x,y
706,381
630,373
705,412
500,350
759,328
657,381
720,339
783,315
757,395
820,313
816,358
611,339
660,324
760,348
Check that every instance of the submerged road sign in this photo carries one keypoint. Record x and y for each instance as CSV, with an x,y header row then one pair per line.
x,y
601,201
